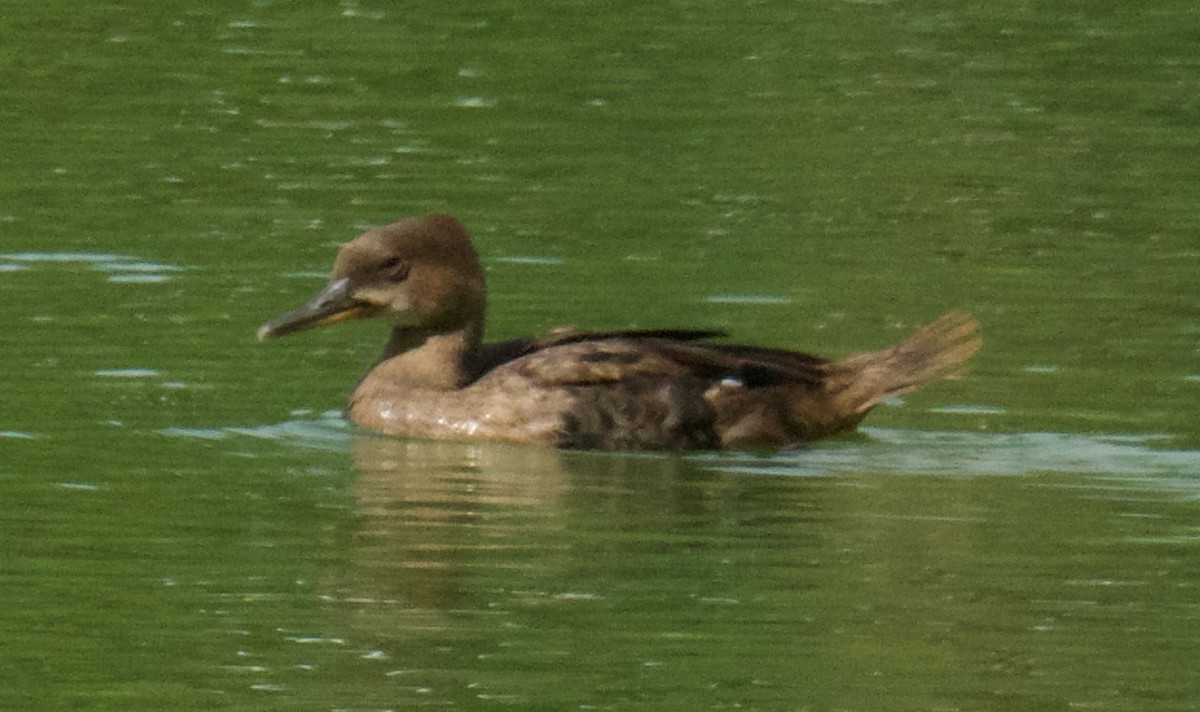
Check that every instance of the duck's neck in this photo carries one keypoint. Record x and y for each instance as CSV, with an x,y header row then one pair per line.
x,y
437,360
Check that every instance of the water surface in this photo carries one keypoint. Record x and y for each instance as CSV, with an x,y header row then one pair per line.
x,y
189,523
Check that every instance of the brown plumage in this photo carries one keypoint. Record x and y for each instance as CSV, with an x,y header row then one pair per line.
x,y
619,390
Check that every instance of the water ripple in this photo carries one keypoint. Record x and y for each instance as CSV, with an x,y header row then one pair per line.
x,y
327,431
747,299
972,454
122,269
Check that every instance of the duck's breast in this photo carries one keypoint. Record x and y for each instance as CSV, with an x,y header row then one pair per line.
x,y
491,409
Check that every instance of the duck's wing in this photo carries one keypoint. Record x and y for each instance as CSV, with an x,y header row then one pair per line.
x,y
567,335
751,366
607,357
774,366
493,355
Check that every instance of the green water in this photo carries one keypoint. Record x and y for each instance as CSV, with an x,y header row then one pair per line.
x,y
187,524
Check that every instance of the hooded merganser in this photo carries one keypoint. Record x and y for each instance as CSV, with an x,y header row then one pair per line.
x,y
618,390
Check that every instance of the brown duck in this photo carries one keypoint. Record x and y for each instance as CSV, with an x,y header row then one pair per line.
x,y
618,390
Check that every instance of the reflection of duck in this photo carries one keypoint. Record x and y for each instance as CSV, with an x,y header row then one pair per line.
x,y
430,514
662,389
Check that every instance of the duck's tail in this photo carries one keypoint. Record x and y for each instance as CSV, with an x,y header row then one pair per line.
x,y
859,382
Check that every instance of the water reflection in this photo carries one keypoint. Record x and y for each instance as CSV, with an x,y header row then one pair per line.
x,y
506,558
461,556
432,511
434,515
517,566
453,572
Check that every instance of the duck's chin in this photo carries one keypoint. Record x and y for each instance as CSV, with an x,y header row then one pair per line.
x,y
408,319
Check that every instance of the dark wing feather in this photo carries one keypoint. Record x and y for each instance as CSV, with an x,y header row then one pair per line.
x,y
493,355
596,357
564,335
498,353
768,367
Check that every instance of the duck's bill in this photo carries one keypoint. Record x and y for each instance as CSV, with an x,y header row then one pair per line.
x,y
332,304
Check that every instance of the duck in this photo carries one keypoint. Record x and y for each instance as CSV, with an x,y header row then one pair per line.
x,y
632,390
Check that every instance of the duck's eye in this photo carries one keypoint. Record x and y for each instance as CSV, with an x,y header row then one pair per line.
x,y
395,269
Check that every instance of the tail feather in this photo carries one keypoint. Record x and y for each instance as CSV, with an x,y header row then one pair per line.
x,y
937,350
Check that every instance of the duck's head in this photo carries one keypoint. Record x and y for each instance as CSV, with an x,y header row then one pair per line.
x,y
420,272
